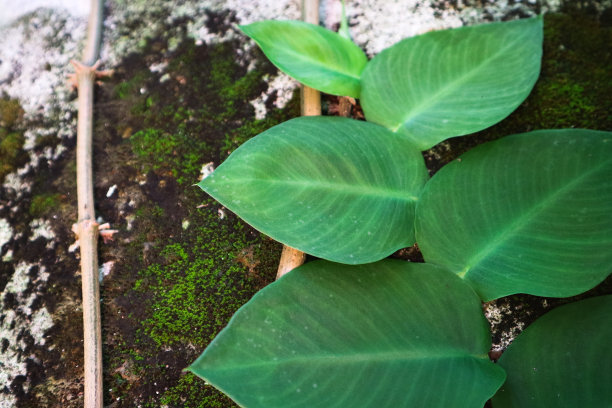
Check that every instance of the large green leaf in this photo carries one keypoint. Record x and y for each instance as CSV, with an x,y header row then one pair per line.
x,y
337,188
453,82
315,56
388,334
528,213
562,360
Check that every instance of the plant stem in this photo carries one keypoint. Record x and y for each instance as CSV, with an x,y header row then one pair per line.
x,y
87,227
94,33
311,106
311,98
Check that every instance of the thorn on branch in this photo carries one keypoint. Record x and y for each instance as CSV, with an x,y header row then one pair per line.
x,y
105,231
82,69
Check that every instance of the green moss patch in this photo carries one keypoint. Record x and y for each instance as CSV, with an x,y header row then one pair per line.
x,y
202,280
40,204
576,80
12,155
192,289
190,393
11,113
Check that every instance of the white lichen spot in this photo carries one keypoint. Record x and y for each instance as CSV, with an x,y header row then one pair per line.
x,y
111,191
13,364
6,232
207,170
505,320
41,322
8,257
280,85
105,269
20,279
129,220
158,67
74,246
41,228
185,224
259,105
164,78
15,184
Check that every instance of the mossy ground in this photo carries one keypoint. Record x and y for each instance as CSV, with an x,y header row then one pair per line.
x,y
184,265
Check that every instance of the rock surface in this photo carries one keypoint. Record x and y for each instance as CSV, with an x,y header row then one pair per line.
x,y
188,88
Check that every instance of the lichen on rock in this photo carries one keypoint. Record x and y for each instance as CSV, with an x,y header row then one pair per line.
x,y
21,320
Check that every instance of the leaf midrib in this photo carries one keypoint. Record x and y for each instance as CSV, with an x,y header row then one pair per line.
x,y
395,356
449,87
522,220
359,190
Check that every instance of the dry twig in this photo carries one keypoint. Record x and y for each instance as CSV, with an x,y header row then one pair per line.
x,y
87,229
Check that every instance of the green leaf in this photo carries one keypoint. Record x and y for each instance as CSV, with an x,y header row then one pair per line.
x,y
340,189
343,31
453,82
562,360
528,213
388,334
315,56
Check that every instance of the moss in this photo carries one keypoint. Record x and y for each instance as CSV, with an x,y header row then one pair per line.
x,y
11,113
42,203
201,281
195,286
575,83
191,393
12,155
131,87
195,283
175,152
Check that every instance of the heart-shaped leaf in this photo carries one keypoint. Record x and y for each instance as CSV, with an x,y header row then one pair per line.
x,y
388,334
528,213
340,189
562,360
315,56
452,82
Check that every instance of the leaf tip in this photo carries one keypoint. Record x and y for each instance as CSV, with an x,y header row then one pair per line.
x,y
247,29
204,184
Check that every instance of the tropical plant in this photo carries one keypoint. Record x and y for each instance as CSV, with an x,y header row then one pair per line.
x,y
529,213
